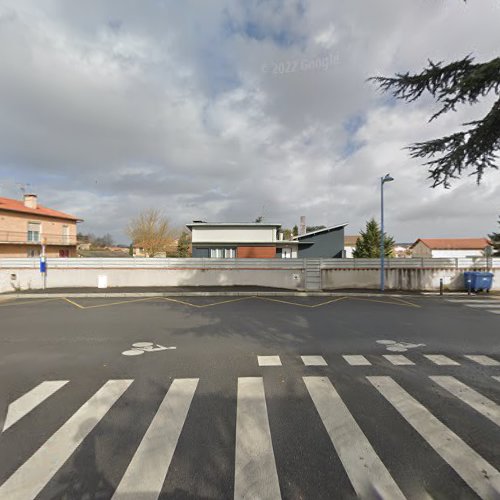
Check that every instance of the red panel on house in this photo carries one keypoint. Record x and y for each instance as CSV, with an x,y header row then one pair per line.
x,y
256,252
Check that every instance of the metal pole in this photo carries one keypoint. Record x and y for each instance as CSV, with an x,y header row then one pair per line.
x,y
382,257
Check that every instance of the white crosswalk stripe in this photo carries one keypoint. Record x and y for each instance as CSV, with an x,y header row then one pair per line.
x,y
372,479
34,474
356,360
483,360
29,401
488,304
441,360
483,478
255,474
148,468
469,396
398,359
256,470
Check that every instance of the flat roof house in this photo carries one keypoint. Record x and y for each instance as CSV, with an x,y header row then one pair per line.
x,y
25,226
223,240
260,240
449,247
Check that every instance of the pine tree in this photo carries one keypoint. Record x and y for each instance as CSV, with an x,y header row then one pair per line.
x,y
295,230
183,245
460,82
495,241
368,244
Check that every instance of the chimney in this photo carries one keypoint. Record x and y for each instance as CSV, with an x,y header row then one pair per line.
x,y
302,225
30,201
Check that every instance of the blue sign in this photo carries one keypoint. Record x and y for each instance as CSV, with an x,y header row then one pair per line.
x,y
43,265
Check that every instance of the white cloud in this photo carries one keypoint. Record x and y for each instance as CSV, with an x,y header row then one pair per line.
x,y
110,107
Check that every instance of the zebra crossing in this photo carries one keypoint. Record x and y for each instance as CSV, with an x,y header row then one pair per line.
x,y
257,472
490,305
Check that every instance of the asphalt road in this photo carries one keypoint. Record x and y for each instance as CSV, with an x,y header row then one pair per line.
x,y
261,398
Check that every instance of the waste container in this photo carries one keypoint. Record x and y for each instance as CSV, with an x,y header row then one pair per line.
x,y
478,281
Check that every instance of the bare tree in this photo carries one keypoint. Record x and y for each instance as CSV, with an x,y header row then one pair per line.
x,y
151,231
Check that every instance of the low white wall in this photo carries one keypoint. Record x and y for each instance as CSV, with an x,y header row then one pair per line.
x,y
398,279
26,279
401,274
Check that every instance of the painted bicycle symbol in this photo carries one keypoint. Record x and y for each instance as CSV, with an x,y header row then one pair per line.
x,y
392,345
139,348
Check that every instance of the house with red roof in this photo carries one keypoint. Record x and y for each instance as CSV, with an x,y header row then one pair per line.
x,y
25,226
449,247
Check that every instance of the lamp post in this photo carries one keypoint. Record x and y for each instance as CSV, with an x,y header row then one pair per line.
x,y
383,180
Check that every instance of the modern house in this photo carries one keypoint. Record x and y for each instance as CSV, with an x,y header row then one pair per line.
x,y
327,242
230,240
449,247
25,226
226,240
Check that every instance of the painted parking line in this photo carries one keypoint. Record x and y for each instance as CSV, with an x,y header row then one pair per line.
x,y
368,475
34,474
398,359
356,360
441,360
269,360
483,360
29,401
314,361
255,474
469,396
481,476
148,468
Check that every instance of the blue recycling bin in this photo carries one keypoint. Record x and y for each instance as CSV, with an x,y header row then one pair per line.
x,y
478,281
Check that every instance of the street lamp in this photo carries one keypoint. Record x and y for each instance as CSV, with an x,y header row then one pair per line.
x,y
383,180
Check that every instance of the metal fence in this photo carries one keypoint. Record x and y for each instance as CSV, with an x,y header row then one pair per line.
x,y
292,264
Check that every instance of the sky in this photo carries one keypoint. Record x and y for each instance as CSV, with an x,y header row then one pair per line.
x,y
229,110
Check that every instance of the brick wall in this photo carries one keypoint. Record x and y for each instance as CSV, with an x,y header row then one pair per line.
x,y
256,252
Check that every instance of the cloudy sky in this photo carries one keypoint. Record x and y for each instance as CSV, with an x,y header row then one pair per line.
x,y
227,110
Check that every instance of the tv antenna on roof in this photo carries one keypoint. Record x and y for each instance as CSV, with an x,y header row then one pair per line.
x,y
23,187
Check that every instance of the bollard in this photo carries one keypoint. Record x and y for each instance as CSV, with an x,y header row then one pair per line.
x,y
441,286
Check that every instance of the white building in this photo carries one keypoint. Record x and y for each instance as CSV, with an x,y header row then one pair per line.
x,y
449,247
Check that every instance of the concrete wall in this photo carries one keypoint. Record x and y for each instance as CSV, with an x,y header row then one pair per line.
x,y
401,274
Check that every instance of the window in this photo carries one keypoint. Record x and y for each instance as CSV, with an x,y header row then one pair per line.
x,y
33,252
223,253
65,235
286,253
34,232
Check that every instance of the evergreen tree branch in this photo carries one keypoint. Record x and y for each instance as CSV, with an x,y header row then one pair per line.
x,y
456,83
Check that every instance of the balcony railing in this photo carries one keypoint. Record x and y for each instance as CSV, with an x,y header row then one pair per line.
x,y
34,238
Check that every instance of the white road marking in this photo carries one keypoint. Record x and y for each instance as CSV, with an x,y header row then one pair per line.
x,y
367,473
269,360
486,305
356,360
496,378
29,401
469,465
494,312
440,359
31,477
314,361
483,360
148,468
469,396
474,301
398,359
255,474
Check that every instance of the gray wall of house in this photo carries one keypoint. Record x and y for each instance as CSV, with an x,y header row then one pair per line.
x,y
326,245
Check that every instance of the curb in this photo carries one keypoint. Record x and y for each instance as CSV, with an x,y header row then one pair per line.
x,y
102,295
